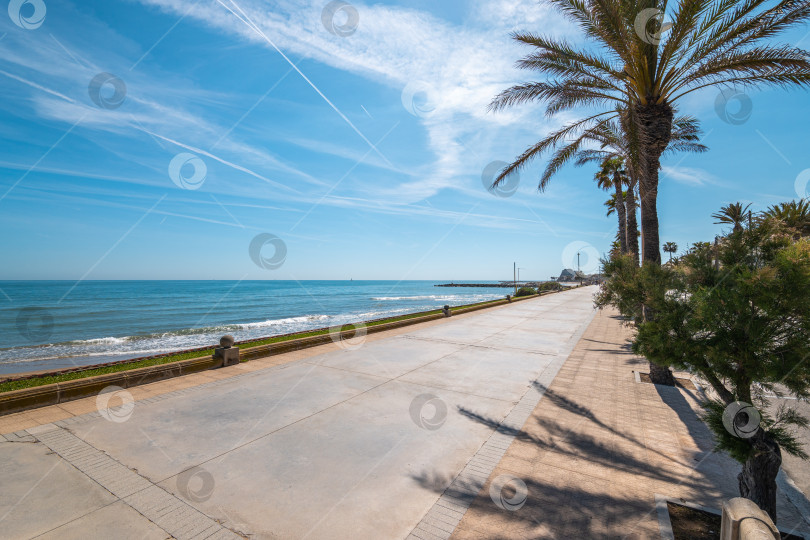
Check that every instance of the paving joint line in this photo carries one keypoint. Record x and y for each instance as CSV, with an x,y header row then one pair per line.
x,y
136,491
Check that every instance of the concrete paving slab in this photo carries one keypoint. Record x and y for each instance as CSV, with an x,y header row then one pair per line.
x,y
174,434
116,520
381,359
493,373
353,471
40,491
528,340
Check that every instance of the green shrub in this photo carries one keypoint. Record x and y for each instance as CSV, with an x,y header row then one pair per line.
x,y
526,291
549,286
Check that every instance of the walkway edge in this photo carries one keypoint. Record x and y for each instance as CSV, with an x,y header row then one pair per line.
x,y
445,515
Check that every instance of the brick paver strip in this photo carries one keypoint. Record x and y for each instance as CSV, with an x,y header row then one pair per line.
x,y
594,453
168,512
439,523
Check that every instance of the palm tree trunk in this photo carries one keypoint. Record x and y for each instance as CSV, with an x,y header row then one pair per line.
x,y
655,129
621,213
650,241
632,225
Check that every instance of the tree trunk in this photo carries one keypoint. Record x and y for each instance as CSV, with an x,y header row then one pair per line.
x,y
621,213
654,121
632,224
655,130
661,375
650,242
758,477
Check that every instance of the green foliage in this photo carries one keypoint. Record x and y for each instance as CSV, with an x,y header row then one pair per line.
x,y
795,215
526,291
622,287
733,214
549,286
777,427
738,313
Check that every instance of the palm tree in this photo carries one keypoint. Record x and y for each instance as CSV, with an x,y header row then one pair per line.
x,y
615,139
710,43
670,247
611,175
793,214
733,214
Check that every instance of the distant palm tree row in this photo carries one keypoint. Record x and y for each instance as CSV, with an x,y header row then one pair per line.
x,y
633,75
795,215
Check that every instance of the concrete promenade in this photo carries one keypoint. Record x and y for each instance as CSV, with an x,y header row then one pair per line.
x,y
354,440
523,421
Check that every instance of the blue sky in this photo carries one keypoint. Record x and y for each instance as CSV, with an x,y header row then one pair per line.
x,y
363,153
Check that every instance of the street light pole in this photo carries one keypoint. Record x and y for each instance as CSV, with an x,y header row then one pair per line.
x,y
514,276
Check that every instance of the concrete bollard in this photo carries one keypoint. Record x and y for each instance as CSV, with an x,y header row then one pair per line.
x,y
226,352
446,310
744,520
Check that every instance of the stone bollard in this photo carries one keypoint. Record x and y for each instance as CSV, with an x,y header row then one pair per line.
x,y
744,520
446,311
226,352
509,298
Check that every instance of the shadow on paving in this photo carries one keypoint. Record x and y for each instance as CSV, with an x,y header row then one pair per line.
x,y
556,508
552,513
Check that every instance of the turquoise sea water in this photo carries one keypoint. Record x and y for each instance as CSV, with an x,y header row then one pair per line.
x,y
49,324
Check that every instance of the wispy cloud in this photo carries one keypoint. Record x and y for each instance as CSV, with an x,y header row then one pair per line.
x,y
689,176
460,67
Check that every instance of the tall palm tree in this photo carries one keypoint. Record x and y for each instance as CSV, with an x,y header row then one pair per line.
x,y
793,214
616,140
670,247
733,214
710,43
611,175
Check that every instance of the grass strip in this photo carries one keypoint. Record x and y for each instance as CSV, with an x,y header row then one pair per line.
x,y
19,384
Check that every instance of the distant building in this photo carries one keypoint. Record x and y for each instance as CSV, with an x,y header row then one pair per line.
x,y
567,275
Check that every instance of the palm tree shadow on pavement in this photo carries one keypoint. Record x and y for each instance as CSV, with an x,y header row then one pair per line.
x,y
581,477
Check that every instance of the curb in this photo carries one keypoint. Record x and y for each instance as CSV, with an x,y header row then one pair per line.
x,y
55,393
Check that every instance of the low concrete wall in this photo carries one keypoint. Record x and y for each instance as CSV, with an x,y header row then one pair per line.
x,y
744,520
52,394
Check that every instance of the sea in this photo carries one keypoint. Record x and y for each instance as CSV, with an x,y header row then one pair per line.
x,y
61,324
